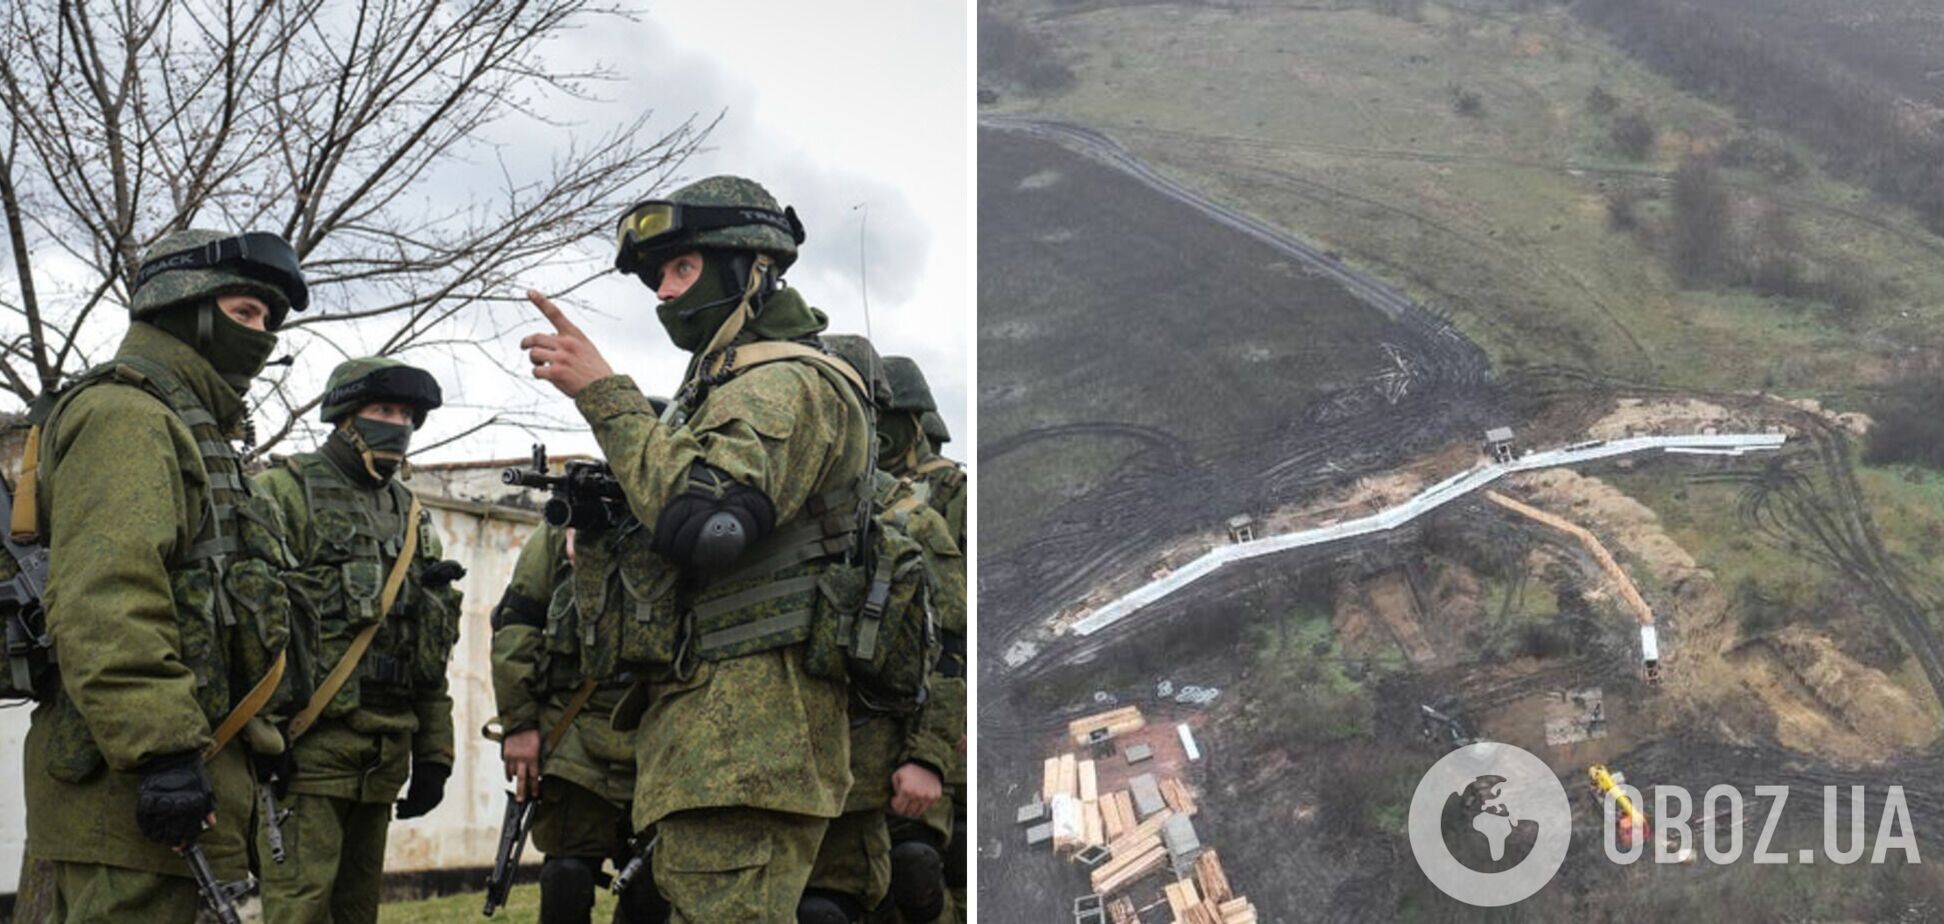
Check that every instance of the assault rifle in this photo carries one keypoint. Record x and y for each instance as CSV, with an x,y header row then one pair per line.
x,y
636,863
220,897
585,497
512,843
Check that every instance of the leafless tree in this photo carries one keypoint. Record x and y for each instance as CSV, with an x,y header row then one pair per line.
x,y
324,122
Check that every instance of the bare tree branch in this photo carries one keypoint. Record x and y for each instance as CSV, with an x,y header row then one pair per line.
x,y
331,122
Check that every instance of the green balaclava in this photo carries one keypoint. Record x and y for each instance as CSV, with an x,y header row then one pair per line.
x,y
182,303
375,447
238,353
711,289
897,432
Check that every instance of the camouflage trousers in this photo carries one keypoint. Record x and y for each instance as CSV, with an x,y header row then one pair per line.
x,y
85,893
735,864
574,821
334,865
855,857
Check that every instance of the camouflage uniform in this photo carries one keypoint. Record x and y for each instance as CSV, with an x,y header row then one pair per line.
x,y
587,779
164,597
393,718
941,484
742,752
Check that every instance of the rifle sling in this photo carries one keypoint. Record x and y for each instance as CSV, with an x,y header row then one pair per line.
x,y
341,673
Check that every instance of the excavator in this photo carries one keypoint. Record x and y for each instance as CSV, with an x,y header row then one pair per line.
x,y
1633,824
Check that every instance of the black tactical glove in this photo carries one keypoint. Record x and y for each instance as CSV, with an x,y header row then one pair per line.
x,y
426,791
173,798
440,574
275,770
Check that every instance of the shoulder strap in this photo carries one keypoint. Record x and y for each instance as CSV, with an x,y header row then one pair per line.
x,y
342,672
750,355
246,710
937,463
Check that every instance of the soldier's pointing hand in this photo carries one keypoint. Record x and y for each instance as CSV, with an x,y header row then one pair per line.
x,y
565,358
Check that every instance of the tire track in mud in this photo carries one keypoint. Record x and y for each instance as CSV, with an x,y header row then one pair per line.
x,y
1166,491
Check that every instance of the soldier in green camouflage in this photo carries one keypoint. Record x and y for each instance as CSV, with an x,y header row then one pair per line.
x,y
585,783
935,844
746,491
164,592
382,640
897,761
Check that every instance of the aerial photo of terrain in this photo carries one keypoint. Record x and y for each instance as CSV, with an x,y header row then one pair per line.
x,y
1360,379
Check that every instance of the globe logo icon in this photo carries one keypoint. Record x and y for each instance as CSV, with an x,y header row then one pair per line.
x,y
1490,824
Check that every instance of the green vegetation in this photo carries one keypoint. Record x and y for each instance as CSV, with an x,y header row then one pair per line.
x,y
522,904
1341,124
1299,689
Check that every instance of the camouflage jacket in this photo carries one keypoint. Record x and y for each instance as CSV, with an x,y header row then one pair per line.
x,y
537,669
163,600
345,534
756,730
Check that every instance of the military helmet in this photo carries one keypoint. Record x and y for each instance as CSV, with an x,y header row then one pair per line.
x,y
184,267
720,212
358,382
934,427
909,392
863,357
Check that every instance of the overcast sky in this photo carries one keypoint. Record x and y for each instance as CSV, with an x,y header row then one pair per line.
x,y
842,110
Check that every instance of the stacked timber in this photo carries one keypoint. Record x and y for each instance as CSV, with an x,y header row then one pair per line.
x,y
1124,869
1121,911
1114,723
1182,899
1236,911
1178,797
1214,882
1114,823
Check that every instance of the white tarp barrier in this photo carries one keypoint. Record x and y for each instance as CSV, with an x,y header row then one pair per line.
x,y
1429,499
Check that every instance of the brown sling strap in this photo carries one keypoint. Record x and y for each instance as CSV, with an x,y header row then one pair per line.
x,y
574,707
335,681
247,709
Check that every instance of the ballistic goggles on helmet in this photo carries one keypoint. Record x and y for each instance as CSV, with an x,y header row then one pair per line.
x,y
403,384
259,255
658,225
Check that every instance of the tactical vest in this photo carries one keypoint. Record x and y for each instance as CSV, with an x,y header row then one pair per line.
x,y
807,582
343,576
232,609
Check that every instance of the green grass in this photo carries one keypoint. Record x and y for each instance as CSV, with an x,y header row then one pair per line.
x,y
1339,125
522,904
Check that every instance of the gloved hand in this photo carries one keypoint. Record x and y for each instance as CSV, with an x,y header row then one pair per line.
x,y
426,791
275,770
174,798
440,574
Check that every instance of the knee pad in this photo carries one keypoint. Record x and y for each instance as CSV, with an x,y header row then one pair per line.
x,y
820,907
567,890
917,882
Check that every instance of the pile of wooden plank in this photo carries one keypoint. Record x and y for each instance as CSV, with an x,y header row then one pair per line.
x,y
1117,813
1235,911
1186,903
1177,795
1135,855
1061,777
1114,723
1121,911
1214,882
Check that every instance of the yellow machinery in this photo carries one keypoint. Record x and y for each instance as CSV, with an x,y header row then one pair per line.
x,y
1632,823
